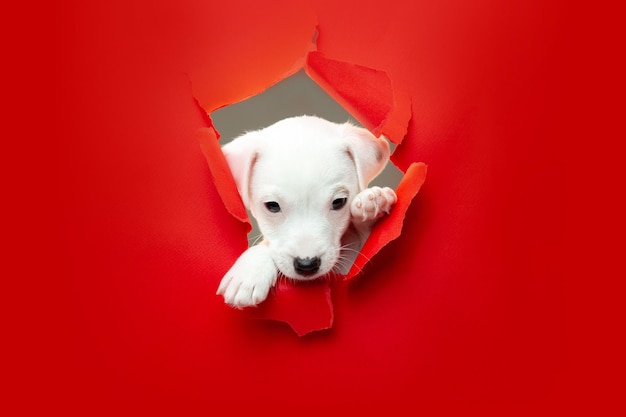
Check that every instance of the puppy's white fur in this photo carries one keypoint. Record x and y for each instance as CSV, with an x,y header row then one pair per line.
x,y
304,179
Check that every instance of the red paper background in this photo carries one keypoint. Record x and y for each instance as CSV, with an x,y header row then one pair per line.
x,y
487,303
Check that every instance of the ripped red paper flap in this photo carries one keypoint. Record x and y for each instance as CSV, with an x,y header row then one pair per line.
x,y
365,92
221,174
270,56
389,227
306,307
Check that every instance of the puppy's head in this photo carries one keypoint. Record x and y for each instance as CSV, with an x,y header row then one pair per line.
x,y
298,178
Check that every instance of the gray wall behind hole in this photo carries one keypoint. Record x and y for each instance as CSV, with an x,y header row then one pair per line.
x,y
295,96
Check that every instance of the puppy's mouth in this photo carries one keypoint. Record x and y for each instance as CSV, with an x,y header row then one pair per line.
x,y
303,268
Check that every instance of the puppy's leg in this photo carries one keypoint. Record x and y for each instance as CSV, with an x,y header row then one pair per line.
x,y
368,206
249,280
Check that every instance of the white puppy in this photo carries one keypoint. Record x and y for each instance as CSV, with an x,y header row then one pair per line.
x,y
304,179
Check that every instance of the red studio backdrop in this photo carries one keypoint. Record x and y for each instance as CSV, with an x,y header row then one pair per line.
x,y
462,310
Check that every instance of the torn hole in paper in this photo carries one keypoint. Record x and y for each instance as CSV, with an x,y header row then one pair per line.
x,y
368,96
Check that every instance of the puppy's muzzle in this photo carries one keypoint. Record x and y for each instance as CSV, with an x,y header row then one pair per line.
x,y
307,266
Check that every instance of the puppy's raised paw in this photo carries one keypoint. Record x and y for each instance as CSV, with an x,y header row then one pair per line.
x,y
249,280
372,203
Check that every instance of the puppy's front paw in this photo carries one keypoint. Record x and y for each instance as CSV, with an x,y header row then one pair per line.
x,y
372,203
249,280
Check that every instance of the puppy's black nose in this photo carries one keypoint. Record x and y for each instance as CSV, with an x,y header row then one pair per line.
x,y
307,266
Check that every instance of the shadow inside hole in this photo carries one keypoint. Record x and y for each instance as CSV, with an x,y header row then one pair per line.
x,y
294,96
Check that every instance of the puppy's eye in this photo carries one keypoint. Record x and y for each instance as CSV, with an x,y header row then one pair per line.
x,y
272,206
338,203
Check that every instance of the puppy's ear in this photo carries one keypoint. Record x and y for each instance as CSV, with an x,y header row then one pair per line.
x,y
369,153
241,153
